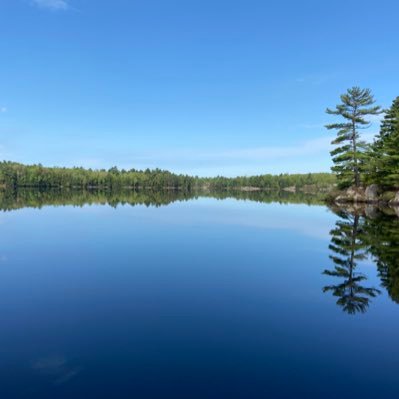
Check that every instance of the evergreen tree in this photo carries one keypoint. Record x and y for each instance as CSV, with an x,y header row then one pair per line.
x,y
348,247
385,150
350,153
14,175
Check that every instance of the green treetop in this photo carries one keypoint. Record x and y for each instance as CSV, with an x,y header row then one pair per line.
x,y
350,153
385,149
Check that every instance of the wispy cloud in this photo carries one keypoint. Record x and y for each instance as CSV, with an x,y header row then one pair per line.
x,y
88,163
312,125
369,137
305,148
252,215
375,119
315,79
55,5
3,110
310,155
300,156
4,154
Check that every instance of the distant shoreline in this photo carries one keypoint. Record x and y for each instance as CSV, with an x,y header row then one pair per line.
x,y
16,175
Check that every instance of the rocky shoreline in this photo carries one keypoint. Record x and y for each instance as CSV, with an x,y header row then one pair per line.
x,y
372,194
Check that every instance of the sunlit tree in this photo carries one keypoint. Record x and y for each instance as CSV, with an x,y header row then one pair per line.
x,y
350,152
384,154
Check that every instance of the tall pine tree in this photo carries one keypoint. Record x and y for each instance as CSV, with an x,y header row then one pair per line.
x,y
348,246
350,153
385,150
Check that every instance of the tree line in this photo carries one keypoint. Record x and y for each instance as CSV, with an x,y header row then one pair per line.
x,y
357,162
15,175
308,181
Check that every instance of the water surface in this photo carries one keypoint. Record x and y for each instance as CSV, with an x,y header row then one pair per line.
x,y
198,298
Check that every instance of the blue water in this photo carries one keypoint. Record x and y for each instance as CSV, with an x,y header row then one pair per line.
x,y
198,299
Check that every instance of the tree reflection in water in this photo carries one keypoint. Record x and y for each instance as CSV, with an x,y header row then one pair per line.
x,y
348,247
383,244
354,238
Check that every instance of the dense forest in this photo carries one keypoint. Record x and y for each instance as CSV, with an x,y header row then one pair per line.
x,y
14,175
312,182
356,162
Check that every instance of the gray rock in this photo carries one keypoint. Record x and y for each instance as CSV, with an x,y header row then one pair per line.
x,y
291,189
371,211
371,193
355,194
395,200
340,199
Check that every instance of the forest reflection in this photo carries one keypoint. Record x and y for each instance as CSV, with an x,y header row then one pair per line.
x,y
355,238
359,233
35,198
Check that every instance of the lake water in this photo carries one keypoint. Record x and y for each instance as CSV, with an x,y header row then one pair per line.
x,y
201,298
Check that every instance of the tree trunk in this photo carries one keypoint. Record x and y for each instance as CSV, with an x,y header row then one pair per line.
x,y
355,160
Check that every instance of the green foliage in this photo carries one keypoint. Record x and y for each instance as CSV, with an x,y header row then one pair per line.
x,y
311,182
384,153
350,155
14,175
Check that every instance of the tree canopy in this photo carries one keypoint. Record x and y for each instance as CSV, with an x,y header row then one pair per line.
x,y
384,152
16,175
350,152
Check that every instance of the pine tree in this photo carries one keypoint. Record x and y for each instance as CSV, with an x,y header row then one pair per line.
x,y
350,154
385,149
348,247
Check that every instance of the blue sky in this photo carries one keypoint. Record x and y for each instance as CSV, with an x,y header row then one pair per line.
x,y
203,87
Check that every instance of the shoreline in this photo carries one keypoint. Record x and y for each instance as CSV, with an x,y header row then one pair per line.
x,y
369,195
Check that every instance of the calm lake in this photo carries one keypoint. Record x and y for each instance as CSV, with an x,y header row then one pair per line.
x,y
196,298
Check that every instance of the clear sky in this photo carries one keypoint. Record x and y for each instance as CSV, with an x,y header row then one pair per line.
x,y
203,87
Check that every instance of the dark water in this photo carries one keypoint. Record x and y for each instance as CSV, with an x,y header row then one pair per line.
x,y
198,298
